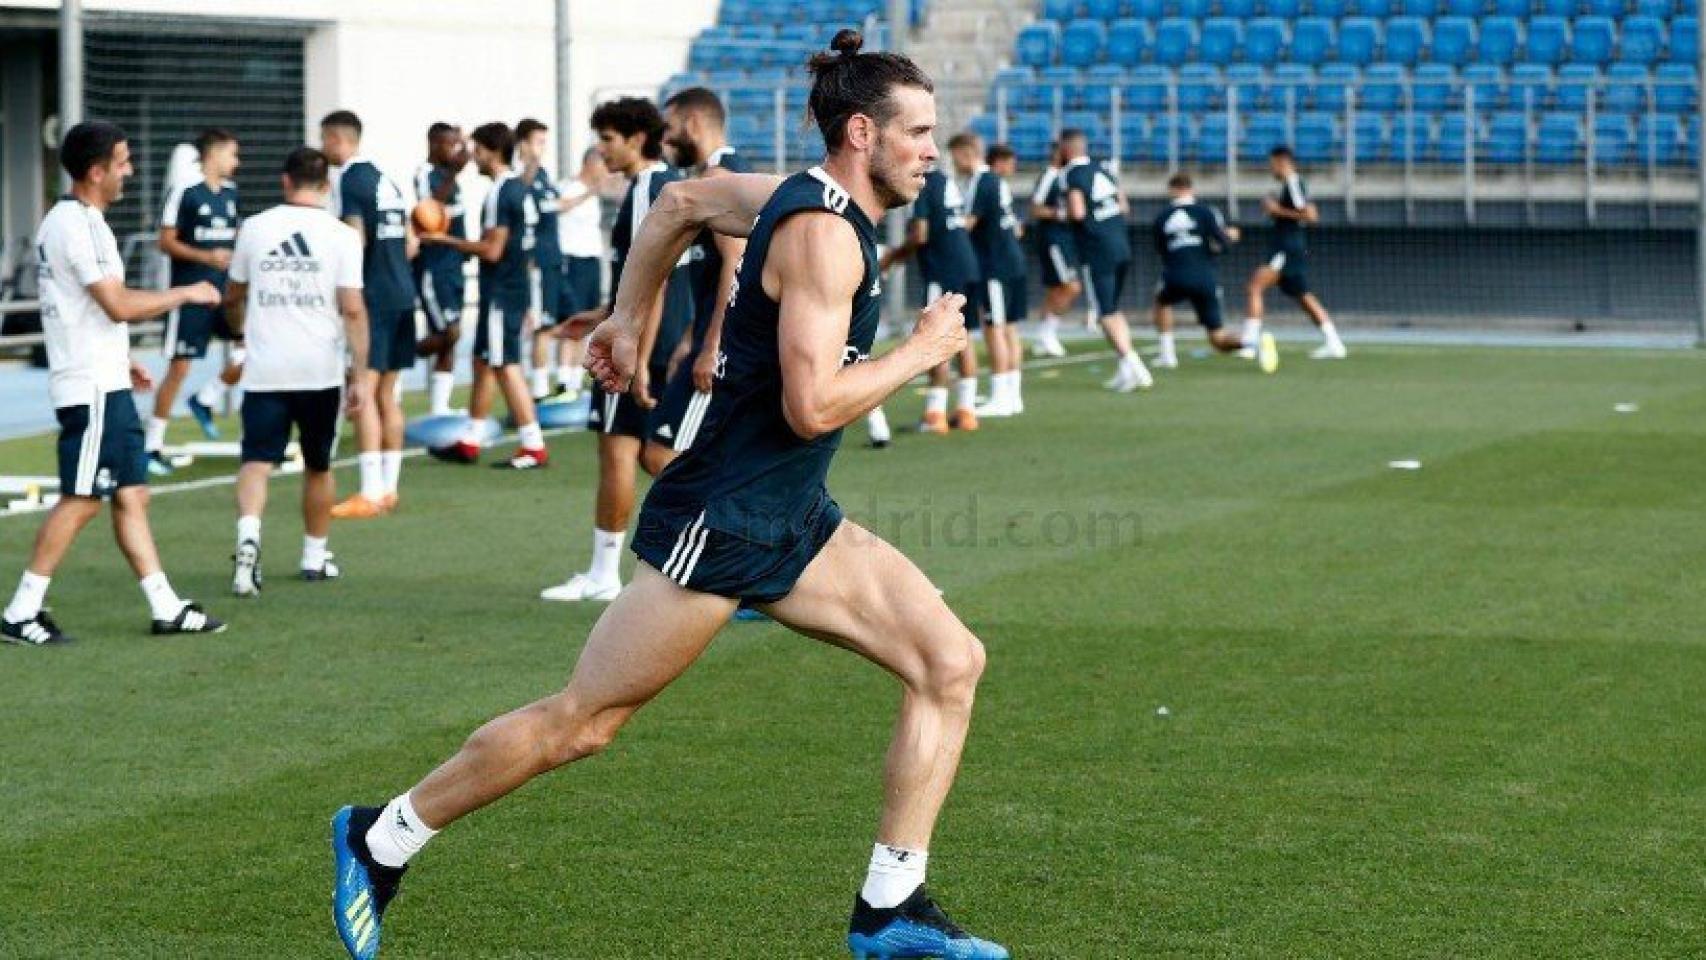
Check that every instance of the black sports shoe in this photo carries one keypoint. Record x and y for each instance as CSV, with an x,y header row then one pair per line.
x,y
38,631
327,570
190,619
916,928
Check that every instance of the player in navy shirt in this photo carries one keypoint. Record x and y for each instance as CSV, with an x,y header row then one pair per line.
x,y
744,517
1287,265
1058,250
545,281
439,279
937,236
1000,290
1188,237
1097,207
197,231
505,250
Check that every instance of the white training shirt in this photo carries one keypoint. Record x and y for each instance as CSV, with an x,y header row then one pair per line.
x,y
578,230
88,355
295,259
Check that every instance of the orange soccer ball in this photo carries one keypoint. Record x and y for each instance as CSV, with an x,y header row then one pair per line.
x,y
431,219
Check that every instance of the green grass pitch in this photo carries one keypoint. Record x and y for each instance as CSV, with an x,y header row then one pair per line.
x,y
1453,712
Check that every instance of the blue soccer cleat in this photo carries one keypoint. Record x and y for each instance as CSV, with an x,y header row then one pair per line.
x,y
917,928
362,889
749,615
203,415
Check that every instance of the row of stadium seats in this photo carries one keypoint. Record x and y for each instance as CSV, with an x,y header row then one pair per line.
x,y
765,34
1404,39
1498,139
1382,88
840,13
1156,9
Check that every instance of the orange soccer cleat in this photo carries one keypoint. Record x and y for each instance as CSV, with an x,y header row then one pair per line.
x,y
935,421
965,418
358,507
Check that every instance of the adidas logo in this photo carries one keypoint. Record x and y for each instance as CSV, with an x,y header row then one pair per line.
x,y
665,432
293,256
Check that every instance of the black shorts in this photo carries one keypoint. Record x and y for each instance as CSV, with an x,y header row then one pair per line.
x,y
1103,285
497,337
620,415
441,290
191,327
544,286
268,416
1293,268
582,278
391,340
752,566
1060,263
101,447
1204,299
1001,301
675,421
934,291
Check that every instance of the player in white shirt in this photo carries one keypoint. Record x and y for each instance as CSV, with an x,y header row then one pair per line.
x,y
580,233
85,308
296,293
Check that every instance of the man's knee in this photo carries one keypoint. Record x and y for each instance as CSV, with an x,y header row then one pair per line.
x,y
571,732
129,499
953,667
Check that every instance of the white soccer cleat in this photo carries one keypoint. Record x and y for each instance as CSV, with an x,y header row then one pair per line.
x,y
581,587
1047,344
1267,355
1246,353
1131,378
995,408
1163,361
246,572
1328,351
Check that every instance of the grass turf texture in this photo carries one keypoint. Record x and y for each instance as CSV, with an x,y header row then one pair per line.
x,y
1454,712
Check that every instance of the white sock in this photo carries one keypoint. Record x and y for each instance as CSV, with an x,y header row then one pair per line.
x,y
936,400
877,423
313,552
393,468
248,528
967,393
1252,331
606,555
540,380
571,378
531,437
27,601
372,474
1167,347
162,599
212,393
1330,334
439,387
473,432
398,834
894,874
156,434
1050,324
1016,385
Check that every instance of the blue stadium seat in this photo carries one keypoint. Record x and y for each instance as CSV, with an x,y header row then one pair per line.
x,y
1238,9
1513,8
1316,137
1311,39
1283,9
1592,40
1146,9
1134,127
1081,43
1199,86
1659,140
1358,38
1500,35
1625,88
1547,37
1095,128
1292,87
1530,86
1559,8
1259,133
1029,135
1466,8
1655,8
1100,82
1454,40
1641,40
1412,137
1450,142
1212,141
1061,87
1166,135
1011,80
1103,9
1382,88
1431,85
1405,38
1127,40
1264,38
1684,40
1575,82
1558,139
1219,40
1674,87
1488,83
1061,10
1146,91
1036,43
1604,8
1191,9
1174,39
1506,139
1379,9
1331,9
743,129
1333,84
1419,8
1370,136
1250,82
1694,140
1613,140
987,126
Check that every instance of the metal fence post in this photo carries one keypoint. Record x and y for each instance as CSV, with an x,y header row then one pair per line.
x,y
1232,151
780,134
1699,210
1470,141
1591,141
1350,160
1116,141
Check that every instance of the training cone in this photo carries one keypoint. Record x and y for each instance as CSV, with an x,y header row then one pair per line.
x,y
441,431
557,414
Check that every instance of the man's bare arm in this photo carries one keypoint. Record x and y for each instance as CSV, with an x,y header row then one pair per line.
x,y
354,311
489,248
170,245
236,306
125,305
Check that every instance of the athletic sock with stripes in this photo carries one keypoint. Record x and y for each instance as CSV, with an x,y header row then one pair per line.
x,y
606,555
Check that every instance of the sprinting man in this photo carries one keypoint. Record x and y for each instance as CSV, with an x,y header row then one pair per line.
x,y
439,280
296,281
1000,292
545,279
630,135
1288,261
1188,236
197,230
1058,249
1097,208
370,201
505,249
744,517
580,229
85,311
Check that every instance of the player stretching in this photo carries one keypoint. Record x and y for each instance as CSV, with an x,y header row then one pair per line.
x,y
372,203
86,310
630,133
1058,249
505,249
439,280
1097,207
545,278
744,517
197,231
1188,237
937,236
994,230
295,287
1288,260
